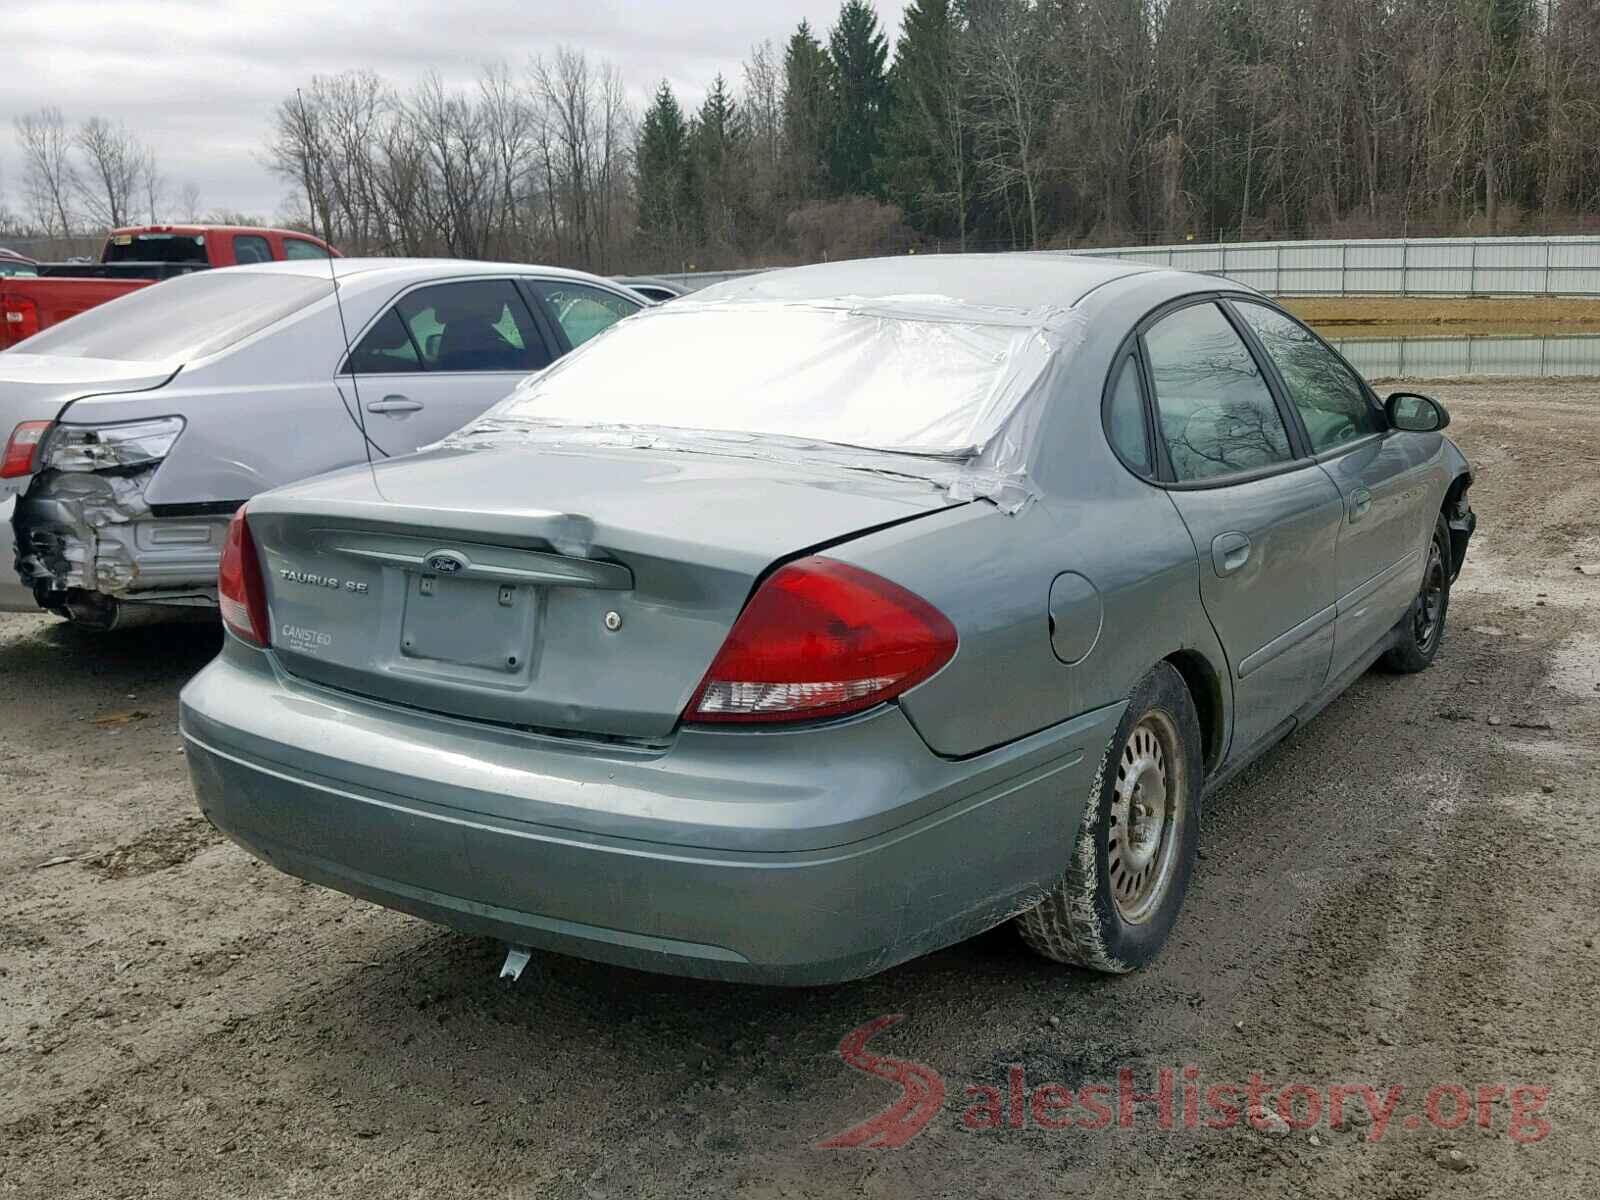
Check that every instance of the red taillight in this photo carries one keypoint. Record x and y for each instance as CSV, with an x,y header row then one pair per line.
x,y
22,448
240,593
19,317
821,638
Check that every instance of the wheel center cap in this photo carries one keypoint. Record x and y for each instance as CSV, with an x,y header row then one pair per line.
x,y
1147,813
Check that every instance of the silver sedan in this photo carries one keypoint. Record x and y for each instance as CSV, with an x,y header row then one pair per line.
x,y
826,617
131,433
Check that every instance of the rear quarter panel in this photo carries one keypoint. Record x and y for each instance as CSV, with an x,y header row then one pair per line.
x,y
258,416
991,574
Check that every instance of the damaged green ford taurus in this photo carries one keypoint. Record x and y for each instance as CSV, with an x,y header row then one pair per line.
x,y
829,616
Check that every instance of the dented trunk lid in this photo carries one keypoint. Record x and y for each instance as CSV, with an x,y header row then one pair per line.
x,y
582,592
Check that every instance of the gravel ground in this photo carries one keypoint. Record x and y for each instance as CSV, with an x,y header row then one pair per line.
x,y
1402,894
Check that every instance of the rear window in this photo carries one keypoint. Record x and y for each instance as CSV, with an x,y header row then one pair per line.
x,y
856,378
186,318
294,248
155,247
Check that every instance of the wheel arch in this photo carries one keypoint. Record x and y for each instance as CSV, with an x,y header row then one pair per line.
x,y
1457,514
1206,690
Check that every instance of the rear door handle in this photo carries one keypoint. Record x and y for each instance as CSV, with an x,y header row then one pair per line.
x,y
1360,502
394,406
1229,552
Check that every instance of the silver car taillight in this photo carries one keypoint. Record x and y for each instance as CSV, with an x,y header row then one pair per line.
x,y
109,447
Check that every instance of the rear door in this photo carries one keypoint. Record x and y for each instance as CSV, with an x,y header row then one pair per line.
x,y
1381,476
440,355
1264,517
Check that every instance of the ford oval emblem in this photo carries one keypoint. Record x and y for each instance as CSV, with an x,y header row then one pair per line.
x,y
446,562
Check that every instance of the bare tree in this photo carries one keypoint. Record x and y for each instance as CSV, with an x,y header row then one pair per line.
x,y
450,129
49,179
1012,90
113,171
155,186
566,93
298,152
509,125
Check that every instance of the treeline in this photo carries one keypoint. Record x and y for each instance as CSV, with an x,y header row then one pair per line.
x,y
85,177
1030,123
524,166
988,124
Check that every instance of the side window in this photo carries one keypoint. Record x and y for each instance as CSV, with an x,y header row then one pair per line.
x,y
386,350
248,248
1331,401
294,248
582,310
1217,414
1125,417
480,325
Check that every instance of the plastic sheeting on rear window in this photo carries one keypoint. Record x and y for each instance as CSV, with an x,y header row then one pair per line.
x,y
950,390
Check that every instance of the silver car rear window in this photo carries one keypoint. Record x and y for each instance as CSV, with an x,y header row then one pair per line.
x,y
913,378
183,319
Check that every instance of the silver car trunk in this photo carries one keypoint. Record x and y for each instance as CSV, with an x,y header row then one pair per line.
x,y
577,592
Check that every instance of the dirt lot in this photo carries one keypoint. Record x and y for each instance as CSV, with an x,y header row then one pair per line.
x,y
1403,894
1430,316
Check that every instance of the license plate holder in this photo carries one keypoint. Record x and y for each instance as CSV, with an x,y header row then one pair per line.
x,y
467,623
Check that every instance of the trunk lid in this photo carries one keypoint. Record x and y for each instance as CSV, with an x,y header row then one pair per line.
x,y
582,592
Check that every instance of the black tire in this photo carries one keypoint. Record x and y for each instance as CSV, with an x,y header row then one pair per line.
x,y
1097,915
1421,630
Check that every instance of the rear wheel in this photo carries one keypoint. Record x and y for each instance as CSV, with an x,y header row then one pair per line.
x,y
1422,629
1117,901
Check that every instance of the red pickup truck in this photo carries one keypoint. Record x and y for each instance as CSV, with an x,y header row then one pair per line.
x,y
136,258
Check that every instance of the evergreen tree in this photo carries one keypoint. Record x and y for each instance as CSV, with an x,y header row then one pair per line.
x,y
859,54
664,182
719,142
808,105
926,160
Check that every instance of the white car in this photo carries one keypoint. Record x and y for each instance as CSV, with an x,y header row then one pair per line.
x,y
131,433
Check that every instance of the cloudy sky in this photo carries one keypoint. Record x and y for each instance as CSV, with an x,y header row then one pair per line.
x,y
198,81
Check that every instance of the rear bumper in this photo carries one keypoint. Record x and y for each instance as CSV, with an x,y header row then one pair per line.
x,y
93,533
797,858
14,595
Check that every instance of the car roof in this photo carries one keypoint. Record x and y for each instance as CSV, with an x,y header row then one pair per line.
x,y
376,271
202,230
1028,279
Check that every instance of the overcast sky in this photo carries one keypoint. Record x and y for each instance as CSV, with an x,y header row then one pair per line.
x,y
198,81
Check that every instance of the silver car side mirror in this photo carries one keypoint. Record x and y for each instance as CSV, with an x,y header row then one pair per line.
x,y
1414,413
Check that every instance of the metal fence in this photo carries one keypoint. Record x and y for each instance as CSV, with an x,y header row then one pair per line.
x,y
1540,266
1518,266
1447,357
